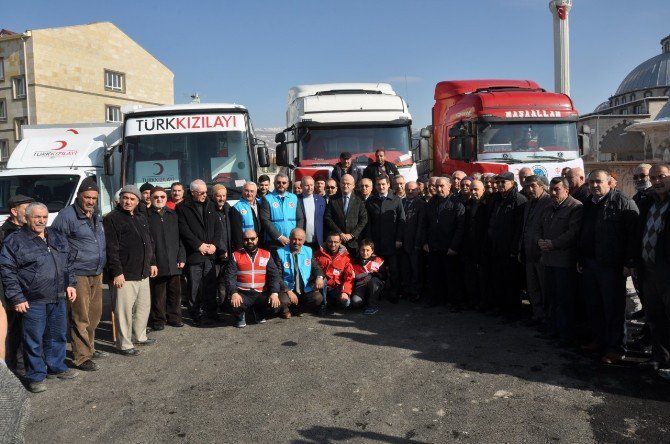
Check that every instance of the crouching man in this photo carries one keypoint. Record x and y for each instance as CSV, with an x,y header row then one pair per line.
x,y
252,281
38,276
335,262
302,278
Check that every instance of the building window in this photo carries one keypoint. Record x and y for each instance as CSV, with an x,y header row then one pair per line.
x,y
623,111
18,132
623,99
19,87
114,81
4,150
112,113
637,109
2,69
632,97
616,102
647,93
3,110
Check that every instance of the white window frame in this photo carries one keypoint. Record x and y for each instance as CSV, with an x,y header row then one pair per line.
x,y
115,81
2,69
19,93
113,114
3,110
18,122
4,150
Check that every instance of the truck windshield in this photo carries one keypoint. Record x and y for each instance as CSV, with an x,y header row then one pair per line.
x,y
324,145
215,157
54,191
528,140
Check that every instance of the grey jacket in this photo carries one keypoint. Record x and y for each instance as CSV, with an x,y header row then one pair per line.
x,y
561,225
532,218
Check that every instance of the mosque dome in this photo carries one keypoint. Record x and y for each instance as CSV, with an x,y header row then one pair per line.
x,y
653,73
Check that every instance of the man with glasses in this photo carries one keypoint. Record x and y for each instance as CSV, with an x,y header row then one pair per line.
x,y
331,190
608,247
365,188
170,260
252,281
201,234
81,223
655,263
280,213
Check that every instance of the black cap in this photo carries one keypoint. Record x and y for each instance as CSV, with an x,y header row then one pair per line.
x,y
506,176
19,199
146,186
345,155
88,184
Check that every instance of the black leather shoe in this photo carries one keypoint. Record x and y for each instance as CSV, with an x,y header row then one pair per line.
x,y
149,341
129,352
157,327
175,324
88,366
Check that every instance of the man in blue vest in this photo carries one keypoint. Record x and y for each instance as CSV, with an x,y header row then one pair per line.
x,y
280,213
302,277
245,216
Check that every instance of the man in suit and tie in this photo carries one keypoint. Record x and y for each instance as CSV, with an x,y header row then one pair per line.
x,y
409,254
346,215
245,216
314,207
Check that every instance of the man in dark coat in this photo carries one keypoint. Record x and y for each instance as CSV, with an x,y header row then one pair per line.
x,y
345,166
386,225
380,168
442,239
349,218
473,253
579,189
170,260
505,229
223,211
200,231
410,252
608,246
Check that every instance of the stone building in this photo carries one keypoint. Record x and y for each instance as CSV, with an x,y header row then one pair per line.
x,y
74,74
639,98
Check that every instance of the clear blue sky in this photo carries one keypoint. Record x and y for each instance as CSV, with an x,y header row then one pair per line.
x,y
251,52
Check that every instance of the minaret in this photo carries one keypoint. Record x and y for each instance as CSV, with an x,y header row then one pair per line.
x,y
559,10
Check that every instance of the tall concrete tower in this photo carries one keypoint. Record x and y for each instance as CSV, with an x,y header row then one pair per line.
x,y
560,9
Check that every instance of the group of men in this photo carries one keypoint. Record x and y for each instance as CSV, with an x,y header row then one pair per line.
x,y
567,245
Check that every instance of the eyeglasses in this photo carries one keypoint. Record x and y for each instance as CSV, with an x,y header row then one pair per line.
x,y
250,238
199,193
640,176
159,197
331,188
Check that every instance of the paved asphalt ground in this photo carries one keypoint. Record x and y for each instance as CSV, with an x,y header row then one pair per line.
x,y
407,374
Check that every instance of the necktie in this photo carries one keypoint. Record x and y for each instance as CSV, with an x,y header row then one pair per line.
x,y
346,204
296,269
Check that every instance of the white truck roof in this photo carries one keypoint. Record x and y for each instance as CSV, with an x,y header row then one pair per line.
x,y
321,88
48,146
183,107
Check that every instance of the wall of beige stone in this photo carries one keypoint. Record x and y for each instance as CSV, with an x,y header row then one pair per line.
x,y
11,50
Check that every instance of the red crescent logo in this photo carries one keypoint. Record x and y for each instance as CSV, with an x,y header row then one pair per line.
x,y
160,169
73,131
63,144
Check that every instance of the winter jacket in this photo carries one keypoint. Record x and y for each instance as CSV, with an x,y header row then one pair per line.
x,y
386,222
609,231
36,271
444,224
337,268
532,219
168,248
130,250
375,170
339,171
197,228
561,225
86,237
506,223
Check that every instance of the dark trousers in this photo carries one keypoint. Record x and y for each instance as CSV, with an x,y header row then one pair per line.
x,y
560,288
656,284
221,293
369,291
473,281
44,339
308,302
202,289
507,275
13,340
605,295
165,300
254,302
410,272
391,261
445,282
333,298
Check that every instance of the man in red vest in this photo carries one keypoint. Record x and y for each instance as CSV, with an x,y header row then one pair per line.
x,y
336,265
252,280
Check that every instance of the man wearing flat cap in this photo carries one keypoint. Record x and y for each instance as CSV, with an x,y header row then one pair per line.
x,y
17,218
345,166
81,223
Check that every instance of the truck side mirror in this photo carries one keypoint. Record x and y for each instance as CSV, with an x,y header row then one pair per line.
x,y
282,155
424,149
425,133
280,138
263,156
108,161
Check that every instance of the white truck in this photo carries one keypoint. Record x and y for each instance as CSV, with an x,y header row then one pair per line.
x,y
214,142
51,161
322,121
